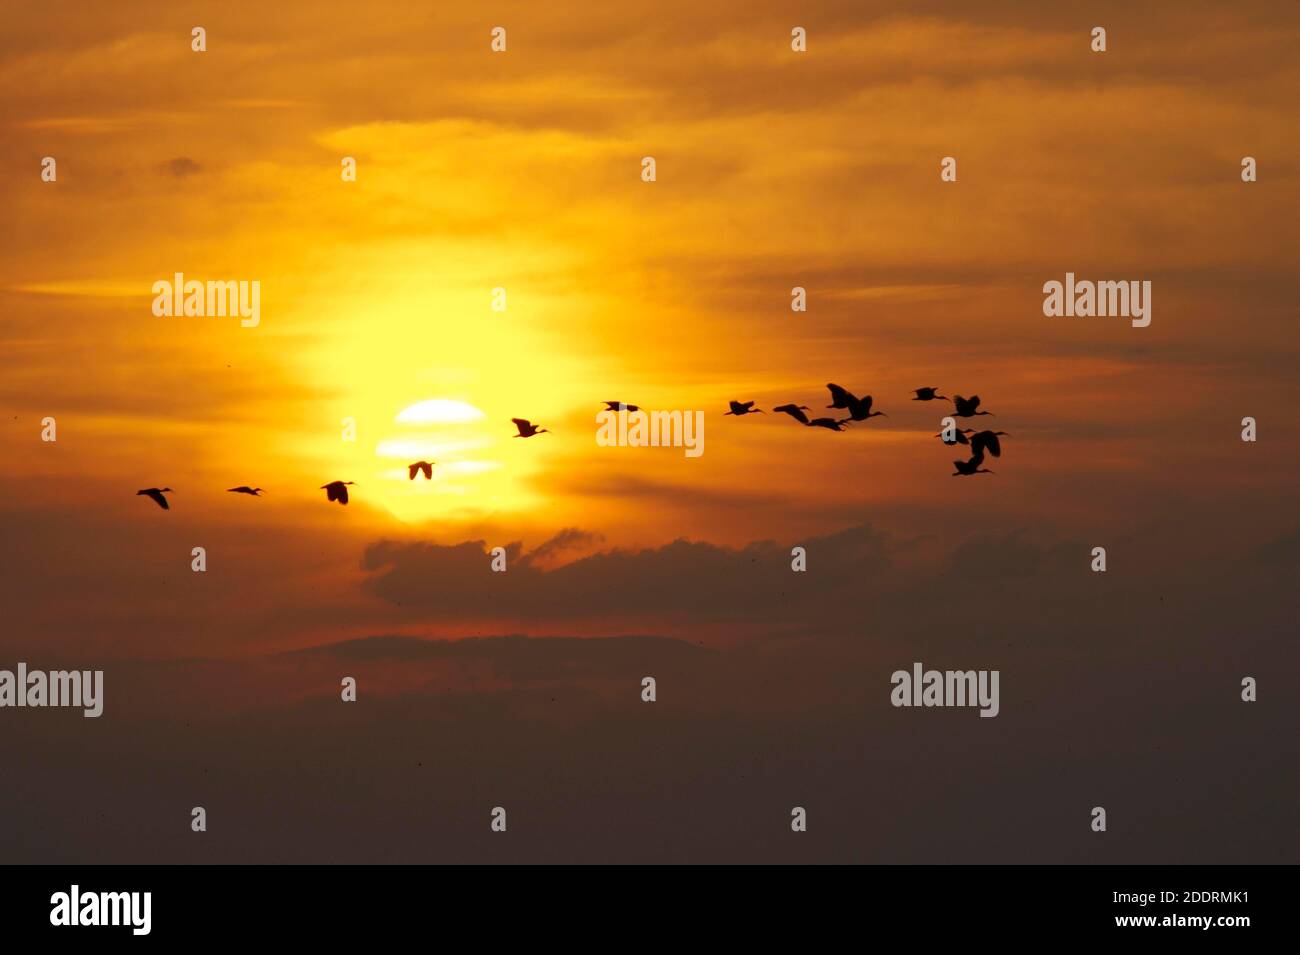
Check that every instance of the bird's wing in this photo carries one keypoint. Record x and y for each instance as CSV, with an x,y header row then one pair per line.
x,y
866,402
343,494
331,492
993,444
427,468
798,415
748,404
840,398
974,402
157,495
411,471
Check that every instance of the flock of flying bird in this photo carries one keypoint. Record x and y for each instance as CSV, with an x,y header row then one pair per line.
x,y
859,409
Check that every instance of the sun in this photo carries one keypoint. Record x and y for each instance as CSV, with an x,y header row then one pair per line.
x,y
439,411
445,431
458,439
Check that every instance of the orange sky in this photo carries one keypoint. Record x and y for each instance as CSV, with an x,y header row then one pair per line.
x,y
521,170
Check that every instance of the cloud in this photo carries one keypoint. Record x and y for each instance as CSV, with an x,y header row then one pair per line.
x,y
565,541
181,166
684,578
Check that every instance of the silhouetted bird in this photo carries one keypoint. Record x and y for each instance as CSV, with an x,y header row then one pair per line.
x,y
840,398
928,394
245,489
739,408
829,423
157,494
966,406
336,491
987,441
526,428
620,406
794,411
860,409
426,466
958,437
970,467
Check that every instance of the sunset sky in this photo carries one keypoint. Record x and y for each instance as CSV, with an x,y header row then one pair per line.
x,y
522,170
